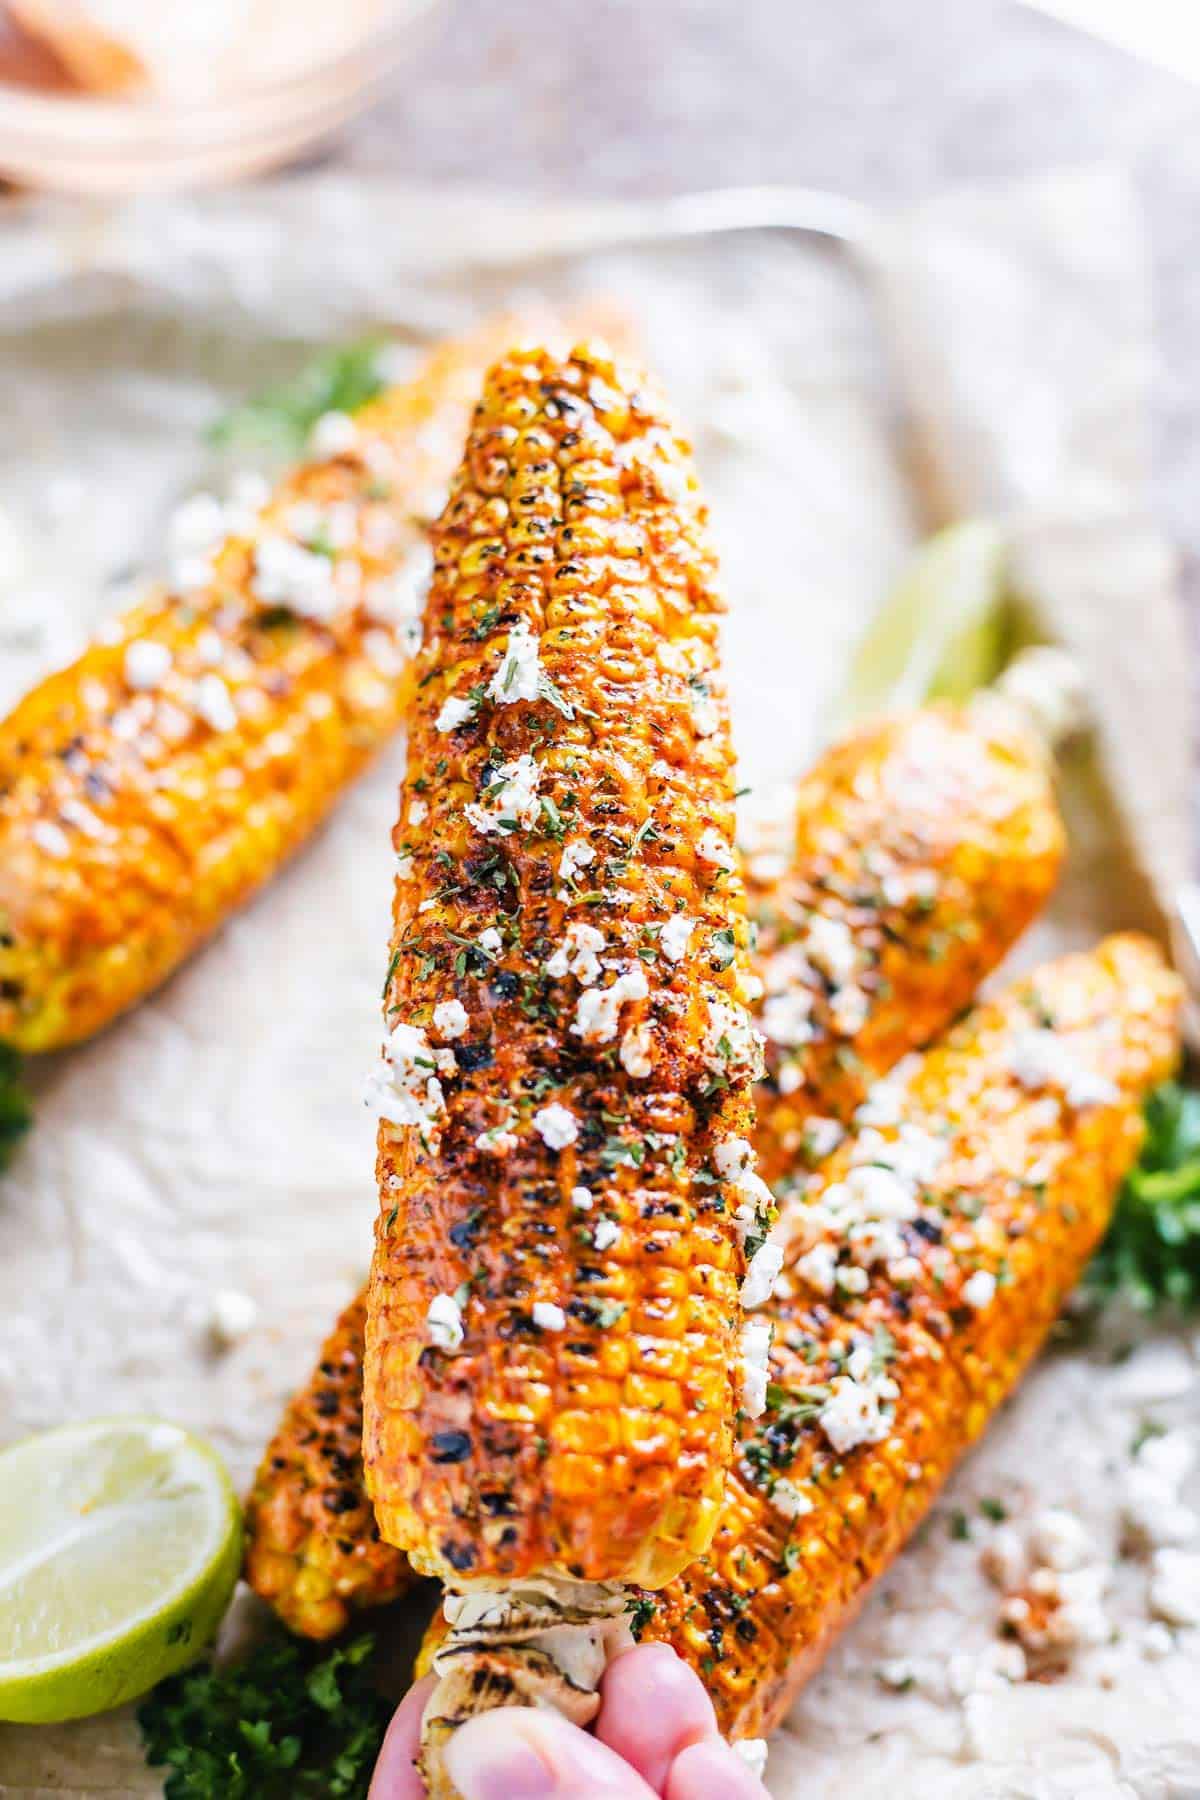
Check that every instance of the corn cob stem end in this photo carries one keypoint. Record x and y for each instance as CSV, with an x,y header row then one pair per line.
x,y
545,1642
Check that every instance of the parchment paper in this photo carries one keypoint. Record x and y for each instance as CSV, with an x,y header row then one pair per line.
x,y
216,1137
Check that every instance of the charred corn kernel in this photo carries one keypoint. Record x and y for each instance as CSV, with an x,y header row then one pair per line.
x,y
924,845
950,911
541,1043
539,1039
312,1546
965,1206
149,789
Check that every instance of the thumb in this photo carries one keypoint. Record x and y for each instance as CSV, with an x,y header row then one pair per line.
x,y
520,1753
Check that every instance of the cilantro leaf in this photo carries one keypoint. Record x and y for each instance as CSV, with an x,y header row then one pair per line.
x,y
292,1722
1151,1256
281,417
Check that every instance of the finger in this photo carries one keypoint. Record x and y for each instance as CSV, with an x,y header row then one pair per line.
x,y
395,1776
522,1754
652,1707
712,1771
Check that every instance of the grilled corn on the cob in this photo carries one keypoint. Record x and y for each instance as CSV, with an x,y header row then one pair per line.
x,y
968,854
925,843
567,1196
925,1264
151,787
313,1548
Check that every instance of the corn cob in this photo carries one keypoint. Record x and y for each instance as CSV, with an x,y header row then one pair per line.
x,y
924,845
312,1545
947,909
566,1093
924,1266
151,787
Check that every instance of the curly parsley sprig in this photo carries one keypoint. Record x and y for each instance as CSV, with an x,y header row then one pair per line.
x,y
289,1723
1151,1256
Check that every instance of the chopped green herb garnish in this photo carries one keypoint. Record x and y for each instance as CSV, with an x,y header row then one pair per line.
x,y
290,1723
1151,1256
280,418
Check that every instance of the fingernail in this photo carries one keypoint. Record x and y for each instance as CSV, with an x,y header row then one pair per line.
x,y
489,1758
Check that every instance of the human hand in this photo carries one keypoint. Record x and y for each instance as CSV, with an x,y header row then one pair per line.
x,y
655,1738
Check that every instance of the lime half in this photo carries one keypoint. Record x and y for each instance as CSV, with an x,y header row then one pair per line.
x,y
120,1542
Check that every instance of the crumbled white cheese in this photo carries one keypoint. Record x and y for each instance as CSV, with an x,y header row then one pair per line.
x,y
556,1125
286,574
1058,1540
830,946
499,1139
455,712
146,664
876,1240
755,1345
597,1011
1152,1512
581,1199
731,1045
577,854
789,1499
445,1322
404,1089
979,1290
869,1192
713,847
214,703
491,941
818,1267
1080,1618
231,1315
334,434
196,526
853,1280
606,1234
249,492
578,955
902,887
675,936
822,1137
1041,1059
548,1317
848,1011
519,674
1003,1558
51,838
914,1155
635,1052
510,800
753,1752
732,1158
418,812
706,715
764,1266
786,1017
854,1412
450,1018
1175,1586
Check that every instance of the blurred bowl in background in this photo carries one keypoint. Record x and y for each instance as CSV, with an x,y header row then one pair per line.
x,y
216,110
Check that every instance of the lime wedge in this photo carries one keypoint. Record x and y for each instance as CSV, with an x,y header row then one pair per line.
x,y
941,633
120,1542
